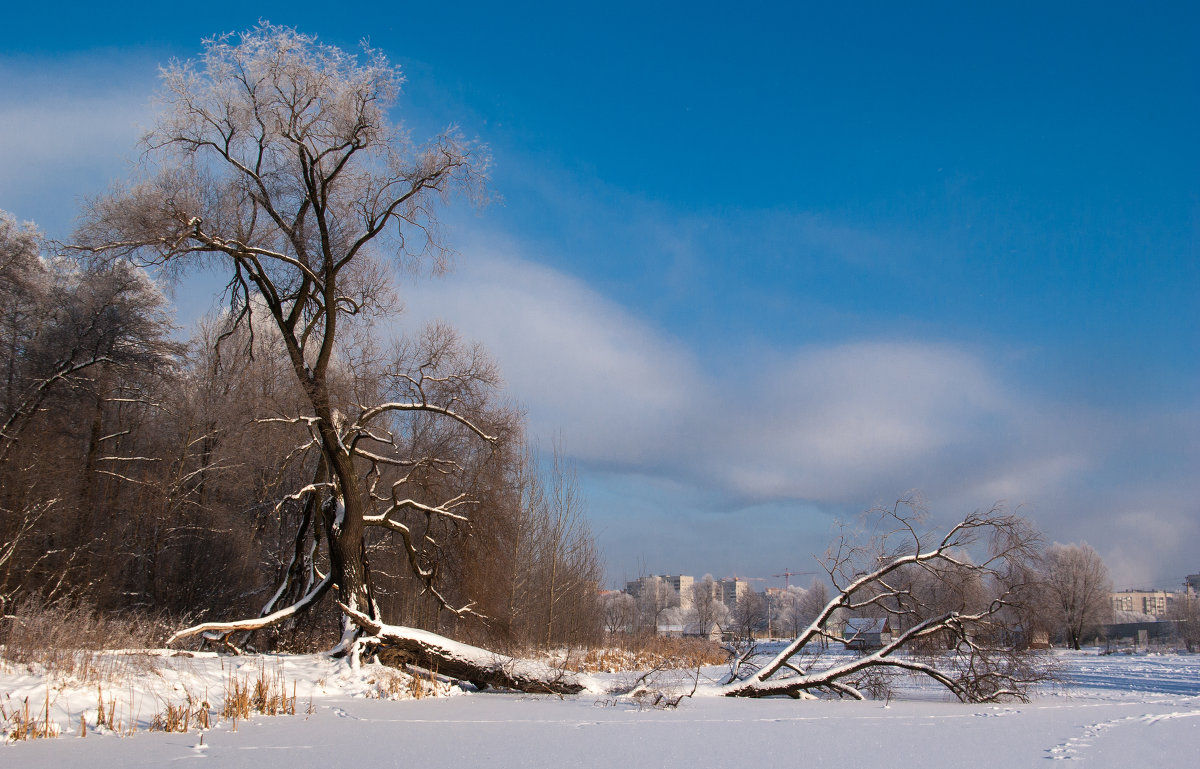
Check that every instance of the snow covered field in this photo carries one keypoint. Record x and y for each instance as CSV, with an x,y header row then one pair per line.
x,y
1117,711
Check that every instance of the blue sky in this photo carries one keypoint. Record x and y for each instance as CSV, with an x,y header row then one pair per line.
x,y
763,267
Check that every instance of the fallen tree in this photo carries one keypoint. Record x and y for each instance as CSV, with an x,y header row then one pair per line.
x,y
480,667
955,604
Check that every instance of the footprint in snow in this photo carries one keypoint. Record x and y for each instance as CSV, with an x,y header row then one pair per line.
x,y
1150,718
1072,748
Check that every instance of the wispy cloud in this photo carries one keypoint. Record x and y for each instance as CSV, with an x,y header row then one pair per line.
x,y
67,128
834,427
622,391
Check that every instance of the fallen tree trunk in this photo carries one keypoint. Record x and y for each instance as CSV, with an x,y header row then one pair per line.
x,y
957,636
470,663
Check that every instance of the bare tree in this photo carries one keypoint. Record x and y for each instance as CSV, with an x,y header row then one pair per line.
x,y
749,614
65,324
1185,613
811,604
655,598
14,532
274,160
707,608
569,563
788,610
1077,583
620,613
532,565
870,577
24,284
83,343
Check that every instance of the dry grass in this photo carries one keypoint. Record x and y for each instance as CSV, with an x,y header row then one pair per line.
x,y
23,724
412,684
181,718
648,652
267,693
75,641
75,644
108,716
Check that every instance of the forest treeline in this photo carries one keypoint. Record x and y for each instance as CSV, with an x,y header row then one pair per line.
x,y
146,470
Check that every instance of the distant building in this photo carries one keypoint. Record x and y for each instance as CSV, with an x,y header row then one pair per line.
x,y
680,583
711,633
683,586
1192,585
862,633
1156,603
732,590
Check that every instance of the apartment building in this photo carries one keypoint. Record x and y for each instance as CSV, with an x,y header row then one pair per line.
x,y
1152,602
680,583
727,591
732,590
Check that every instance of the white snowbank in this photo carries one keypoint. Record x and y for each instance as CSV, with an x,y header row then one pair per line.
x,y
1120,711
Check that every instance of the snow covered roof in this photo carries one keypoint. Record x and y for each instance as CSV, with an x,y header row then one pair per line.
x,y
859,625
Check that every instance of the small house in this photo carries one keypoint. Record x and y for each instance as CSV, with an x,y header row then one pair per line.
x,y
863,633
710,633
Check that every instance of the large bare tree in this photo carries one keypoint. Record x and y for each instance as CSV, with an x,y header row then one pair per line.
x,y
274,160
1077,588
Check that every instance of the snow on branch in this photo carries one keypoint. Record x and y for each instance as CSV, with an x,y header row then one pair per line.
x,y
223,629
471,663
370,413
953,615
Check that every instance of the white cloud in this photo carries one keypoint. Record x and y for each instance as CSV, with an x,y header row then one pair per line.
x,y
620,391
824,423
841,417
842,425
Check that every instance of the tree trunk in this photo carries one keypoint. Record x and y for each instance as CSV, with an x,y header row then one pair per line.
x,y
470,663
345,532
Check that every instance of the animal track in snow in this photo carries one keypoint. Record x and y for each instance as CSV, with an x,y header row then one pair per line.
x,y
1076,746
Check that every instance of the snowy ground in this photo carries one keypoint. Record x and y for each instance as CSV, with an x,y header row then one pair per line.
x,y
1118,711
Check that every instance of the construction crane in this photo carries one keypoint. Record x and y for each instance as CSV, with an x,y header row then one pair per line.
x,y
788,574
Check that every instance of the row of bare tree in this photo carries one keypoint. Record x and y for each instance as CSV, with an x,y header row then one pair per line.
x,y
138,471
1064,597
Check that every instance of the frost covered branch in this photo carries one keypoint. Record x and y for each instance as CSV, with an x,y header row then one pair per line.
x,y
952,603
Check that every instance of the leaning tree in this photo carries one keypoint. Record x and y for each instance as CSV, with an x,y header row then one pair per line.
x,y
952,602
273,160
